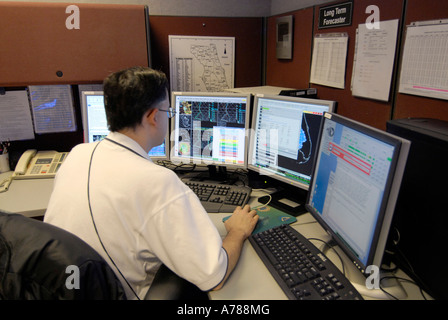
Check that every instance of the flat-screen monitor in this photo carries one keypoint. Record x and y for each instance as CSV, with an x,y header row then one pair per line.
x,y
95,122
355,185
283,144
210,129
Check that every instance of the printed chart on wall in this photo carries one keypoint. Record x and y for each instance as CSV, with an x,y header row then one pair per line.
x,y
425,64
329,59
201,63
374,60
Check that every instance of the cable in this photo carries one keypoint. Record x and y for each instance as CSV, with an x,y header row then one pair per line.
x,y
94,225
334,250
401,279
262,206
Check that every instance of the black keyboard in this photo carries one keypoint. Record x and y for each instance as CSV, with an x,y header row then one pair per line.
x,y
301,270
217,197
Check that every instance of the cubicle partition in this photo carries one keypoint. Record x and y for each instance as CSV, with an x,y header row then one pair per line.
x,y
55,43
295,72
407,106
52,43
248,34
61,43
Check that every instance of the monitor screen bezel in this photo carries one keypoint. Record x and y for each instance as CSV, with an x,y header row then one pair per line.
x,y
85,122
84,111
190,160
261,171
385,214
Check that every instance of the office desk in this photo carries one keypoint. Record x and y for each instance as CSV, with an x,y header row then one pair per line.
x,y
250,279
28,197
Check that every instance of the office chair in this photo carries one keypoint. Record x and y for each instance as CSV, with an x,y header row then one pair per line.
x,y
34,257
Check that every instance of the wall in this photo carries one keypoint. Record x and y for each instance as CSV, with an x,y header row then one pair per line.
x,y
201,8
282,6
248,26
295,72
35,44
414,106
248,42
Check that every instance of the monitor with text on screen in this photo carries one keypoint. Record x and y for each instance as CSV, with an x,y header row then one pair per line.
x,y
210,128
354,187
282,146
95,122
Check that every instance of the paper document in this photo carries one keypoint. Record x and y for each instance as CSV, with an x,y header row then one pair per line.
x,y
52,108
374,60
15,116
329,59
425,65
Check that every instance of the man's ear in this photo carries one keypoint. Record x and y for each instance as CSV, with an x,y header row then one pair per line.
x,y
150,116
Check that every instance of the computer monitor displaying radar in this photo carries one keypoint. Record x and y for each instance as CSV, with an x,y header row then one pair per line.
x,y
95,122
210,128
354,186
283,143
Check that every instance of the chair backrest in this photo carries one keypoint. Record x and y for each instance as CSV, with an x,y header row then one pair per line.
x,y
41,261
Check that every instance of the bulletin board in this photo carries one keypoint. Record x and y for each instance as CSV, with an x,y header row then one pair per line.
x,y
295,73
369,111
408,105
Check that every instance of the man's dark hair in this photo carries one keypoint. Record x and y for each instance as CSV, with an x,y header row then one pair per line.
x,y
129,93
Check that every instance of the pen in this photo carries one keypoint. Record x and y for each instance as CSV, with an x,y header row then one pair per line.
x,y
4,146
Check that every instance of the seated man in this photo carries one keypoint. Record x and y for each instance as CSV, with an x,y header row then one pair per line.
x,y
135,213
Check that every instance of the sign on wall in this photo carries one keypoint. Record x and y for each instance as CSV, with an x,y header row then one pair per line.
x,y
336,15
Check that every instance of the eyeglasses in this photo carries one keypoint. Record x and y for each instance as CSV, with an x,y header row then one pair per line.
x,y
170,112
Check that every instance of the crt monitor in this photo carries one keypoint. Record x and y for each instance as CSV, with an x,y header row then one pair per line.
x,y
210,128
283,141
354,187
95,122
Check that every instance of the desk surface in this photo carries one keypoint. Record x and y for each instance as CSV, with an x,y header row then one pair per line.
x,y
28,197
250,279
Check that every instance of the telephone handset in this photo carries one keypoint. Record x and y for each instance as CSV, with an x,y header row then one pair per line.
x,y
35,164
38,164
24,161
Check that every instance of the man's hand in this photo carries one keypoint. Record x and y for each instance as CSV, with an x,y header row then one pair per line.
x,y
242,221
239,227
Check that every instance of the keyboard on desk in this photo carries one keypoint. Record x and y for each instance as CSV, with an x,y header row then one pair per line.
x,y
217,197
301,270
